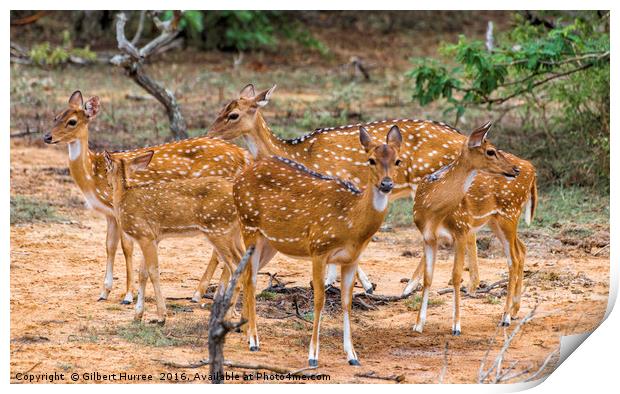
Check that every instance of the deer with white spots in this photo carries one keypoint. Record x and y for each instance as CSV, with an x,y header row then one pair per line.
x,y
151,212
286,207
427,146
190,158
444,207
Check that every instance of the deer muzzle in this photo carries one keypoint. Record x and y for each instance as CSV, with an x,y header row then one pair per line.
x,y
386,185
47,138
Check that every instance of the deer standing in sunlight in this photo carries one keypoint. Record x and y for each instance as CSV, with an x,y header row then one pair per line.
x,y
189,158
427,146
286,207
444,207
151,212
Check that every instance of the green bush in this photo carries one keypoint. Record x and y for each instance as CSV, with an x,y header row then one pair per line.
x,y
557,82
27,210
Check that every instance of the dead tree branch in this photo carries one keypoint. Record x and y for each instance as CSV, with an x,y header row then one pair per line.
x,y
132,60
218,326
373,375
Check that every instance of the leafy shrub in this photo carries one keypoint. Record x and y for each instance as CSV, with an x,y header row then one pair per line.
x,y
559,78
27,210
45,55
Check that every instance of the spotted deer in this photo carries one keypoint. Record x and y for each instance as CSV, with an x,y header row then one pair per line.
x,y
444,207
150,212
189,158
427,147
288,208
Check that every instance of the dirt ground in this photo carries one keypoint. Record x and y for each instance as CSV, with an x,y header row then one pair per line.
x,y
58,326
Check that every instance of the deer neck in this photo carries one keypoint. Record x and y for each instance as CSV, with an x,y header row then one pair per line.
x,y
371,208
450,184
81,163
262,143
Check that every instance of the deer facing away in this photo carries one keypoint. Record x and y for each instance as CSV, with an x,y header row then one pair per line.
x,y
427,146
285,207
149,213
181,159
444,207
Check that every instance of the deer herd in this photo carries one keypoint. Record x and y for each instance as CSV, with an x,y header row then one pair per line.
x,y
320,197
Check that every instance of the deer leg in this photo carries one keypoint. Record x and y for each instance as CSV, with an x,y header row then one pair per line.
x,y
149,249
318,273
332,275
516,298
460,246
430,253
206,278
472,260
363,279
142,278
111,243
347,275
413,283
127,246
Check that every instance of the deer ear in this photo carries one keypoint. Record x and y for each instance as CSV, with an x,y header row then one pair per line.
x,y
394,137
365,139
248,91
479,135
107,158
142,161
76,100
263,98
92,106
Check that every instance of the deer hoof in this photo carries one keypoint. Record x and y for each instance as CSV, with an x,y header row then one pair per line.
x,y
313,362
354,362
125,302
456,333
505,323
254,348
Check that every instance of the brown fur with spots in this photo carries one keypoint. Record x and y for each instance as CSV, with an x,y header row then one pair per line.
x,y
189,158
284,207
443,206
149,213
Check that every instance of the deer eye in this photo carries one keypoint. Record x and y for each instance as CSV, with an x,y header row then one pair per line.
x,y
491,153
233,116
372,161
398,162
72,122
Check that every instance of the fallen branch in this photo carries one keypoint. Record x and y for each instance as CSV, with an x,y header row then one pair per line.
x,y
373,375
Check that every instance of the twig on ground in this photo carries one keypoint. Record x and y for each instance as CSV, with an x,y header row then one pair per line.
x,y
373,375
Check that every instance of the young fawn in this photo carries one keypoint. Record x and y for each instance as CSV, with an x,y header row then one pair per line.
x,y
427,146
149,213
285,207
181,159
443,206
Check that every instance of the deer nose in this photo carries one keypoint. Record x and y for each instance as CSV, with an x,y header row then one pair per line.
x,y
47,138
386,185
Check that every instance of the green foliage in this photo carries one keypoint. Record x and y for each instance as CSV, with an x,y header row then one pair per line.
x,y
561,206
546,71
27,210
415,302
150,335
45,54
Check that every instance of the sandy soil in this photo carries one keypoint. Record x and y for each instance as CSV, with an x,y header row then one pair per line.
x,y
57,325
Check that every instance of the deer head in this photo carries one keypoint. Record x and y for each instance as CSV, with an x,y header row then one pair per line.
x,y
483,156
119,170
382,158
239,116
72,123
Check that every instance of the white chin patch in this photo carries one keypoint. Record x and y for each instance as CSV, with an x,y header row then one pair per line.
x,y
74,149
379,199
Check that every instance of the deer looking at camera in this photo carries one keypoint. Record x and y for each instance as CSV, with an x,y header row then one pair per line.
x,y
286,207
443,206
427,146
189,158
149,213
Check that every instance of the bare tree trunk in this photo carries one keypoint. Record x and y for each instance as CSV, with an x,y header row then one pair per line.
x,y
218,327
132,60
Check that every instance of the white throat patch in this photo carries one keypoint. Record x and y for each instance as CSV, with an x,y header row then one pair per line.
x,y
251,146
469,180
75,147
379,200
